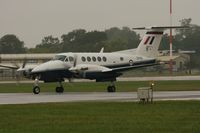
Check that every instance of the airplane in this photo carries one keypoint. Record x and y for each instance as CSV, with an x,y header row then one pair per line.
x,y
101,66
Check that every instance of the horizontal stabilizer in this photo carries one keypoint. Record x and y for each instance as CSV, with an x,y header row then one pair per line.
x,y
161,27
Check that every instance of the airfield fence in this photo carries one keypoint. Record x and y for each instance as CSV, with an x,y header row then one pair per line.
x,y
7,74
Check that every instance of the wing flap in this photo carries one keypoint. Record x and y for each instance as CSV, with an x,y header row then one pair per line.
x,y
120,69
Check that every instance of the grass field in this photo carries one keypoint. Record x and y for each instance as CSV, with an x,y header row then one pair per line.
x,y
101,117
100,87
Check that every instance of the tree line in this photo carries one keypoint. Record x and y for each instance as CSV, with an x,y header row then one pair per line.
x,y
112,39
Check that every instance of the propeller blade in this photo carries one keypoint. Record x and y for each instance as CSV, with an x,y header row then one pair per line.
x,y
17,65
24,63
75,60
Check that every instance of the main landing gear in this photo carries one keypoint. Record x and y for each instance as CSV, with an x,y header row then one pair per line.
x,y
111,88
36,88
59,88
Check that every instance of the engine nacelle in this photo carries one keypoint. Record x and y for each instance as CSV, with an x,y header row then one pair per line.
x,y
97,72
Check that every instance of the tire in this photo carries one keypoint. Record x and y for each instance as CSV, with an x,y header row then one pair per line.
x,y
36,90
59,89
111,89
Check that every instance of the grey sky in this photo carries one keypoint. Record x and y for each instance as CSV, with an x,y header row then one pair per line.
x,y
31,20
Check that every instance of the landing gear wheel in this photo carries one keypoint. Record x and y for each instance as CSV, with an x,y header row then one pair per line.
x,y
36,89
111,89
59,89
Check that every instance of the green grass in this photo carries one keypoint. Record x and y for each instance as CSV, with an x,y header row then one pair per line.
x,y
100,87
143,73
101,117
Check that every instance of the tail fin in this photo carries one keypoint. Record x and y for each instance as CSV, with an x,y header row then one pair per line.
x,y
150,43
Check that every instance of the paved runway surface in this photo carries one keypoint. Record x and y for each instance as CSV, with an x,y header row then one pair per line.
x,y
25,98
160,78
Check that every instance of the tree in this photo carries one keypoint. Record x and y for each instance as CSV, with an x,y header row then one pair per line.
x,y
116,45
189,39
165,43
70,40
121,39
49,44
10,44
82,41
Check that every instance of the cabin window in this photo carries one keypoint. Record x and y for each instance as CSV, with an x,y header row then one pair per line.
x,y
104,59
121,58
99,58
94,59
71,59
83,59
88,59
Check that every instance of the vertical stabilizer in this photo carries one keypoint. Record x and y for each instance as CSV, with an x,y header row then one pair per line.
x,y
150,43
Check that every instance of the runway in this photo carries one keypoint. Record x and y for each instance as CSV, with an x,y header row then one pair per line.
x,y
157,78
26,98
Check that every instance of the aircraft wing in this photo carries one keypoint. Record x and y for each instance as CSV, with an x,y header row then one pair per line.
x,y
9,66
121,69
89,68
106,69
103,73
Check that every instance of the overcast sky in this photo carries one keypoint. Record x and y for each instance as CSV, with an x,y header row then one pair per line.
x,y
31,20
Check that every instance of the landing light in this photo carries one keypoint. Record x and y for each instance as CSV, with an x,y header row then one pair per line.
x,y
152,84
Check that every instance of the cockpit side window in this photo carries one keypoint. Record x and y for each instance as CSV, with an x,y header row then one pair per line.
x,y
66,59
59,57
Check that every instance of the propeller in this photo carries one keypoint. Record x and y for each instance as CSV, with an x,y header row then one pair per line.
x,y
24,63
75,60
22,71
71,80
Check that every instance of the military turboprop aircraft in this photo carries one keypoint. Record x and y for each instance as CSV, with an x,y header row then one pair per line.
x,y
99,66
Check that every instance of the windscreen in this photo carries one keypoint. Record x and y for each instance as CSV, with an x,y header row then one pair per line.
x,y
59,57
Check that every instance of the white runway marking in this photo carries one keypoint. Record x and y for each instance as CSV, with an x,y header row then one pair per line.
x,y
25,98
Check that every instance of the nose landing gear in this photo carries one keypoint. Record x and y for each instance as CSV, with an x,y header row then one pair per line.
x,y
36,88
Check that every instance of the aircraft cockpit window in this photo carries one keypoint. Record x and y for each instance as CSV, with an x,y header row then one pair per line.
x,y
121,58
71,59
83,59
104,59
66,60
59,57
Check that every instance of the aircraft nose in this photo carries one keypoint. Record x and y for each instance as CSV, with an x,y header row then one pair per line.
x,y
51,66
